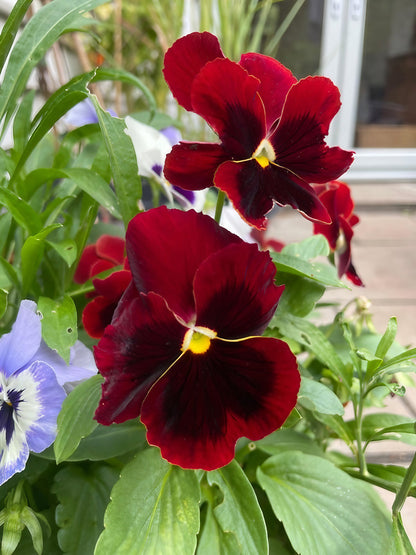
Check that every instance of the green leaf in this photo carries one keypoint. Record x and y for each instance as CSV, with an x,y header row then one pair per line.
x,y
374,424
106,442
21,122
309,248
318,397
297,287
308,334
83,493
115,74
322,508
54,108
40,32
59,324
400,543
10,28
238,513
3,302
154,509
288,440
21,211
75,421
32,255
123,162
67,250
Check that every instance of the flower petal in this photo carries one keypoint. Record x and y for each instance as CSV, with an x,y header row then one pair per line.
x,y
226,96
165,248
111,248
196,412
298,139
133,353
192,165
253,189
18,346
150,146
98,313
183,61
235,293
275,82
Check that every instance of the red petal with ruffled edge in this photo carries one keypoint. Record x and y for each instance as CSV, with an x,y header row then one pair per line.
x,y
196,412
252,190
183,61
235,293
226,96
98,313
111,248
87,259
299,137
185,239
192,165
275,82
133,354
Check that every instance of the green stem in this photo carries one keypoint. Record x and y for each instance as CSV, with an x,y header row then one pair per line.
x,y
404,488
219,207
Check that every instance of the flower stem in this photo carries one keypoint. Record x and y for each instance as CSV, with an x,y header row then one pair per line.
x,y
219,207
404,488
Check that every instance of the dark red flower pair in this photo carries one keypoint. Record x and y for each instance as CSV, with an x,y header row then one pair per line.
x,y
184,352
271,128
107,253
336,197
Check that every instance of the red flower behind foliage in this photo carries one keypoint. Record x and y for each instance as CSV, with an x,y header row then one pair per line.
x,y
108,252
184,350
271,128
336,197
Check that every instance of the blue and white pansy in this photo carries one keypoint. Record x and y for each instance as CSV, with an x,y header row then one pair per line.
x,y
32,379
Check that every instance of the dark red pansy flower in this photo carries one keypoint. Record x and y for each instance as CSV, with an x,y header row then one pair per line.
x,y
108,252
271,128
184,352
336,197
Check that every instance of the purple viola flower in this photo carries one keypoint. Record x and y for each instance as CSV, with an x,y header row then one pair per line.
x,y
32,379
84,113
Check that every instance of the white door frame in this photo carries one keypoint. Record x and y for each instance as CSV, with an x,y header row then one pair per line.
x,y
341,56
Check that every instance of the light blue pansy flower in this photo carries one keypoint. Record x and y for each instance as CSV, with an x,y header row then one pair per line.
x,y
32,380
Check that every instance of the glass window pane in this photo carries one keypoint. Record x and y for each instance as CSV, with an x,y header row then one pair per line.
x,y
387,107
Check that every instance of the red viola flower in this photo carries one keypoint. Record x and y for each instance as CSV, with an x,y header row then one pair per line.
x,y
336,197
184,350
108,252
271,128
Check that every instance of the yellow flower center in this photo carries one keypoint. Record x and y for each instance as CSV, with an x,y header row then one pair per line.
x,y
264,154
198,340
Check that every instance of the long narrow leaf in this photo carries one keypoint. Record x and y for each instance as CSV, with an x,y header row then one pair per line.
x,y
11,27
42,30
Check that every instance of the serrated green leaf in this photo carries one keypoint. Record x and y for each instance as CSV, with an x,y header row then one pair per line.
x,y
321,507
123,162
316,271
83,493
75,421
238,514
59,324
314,340
151,512
318,397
